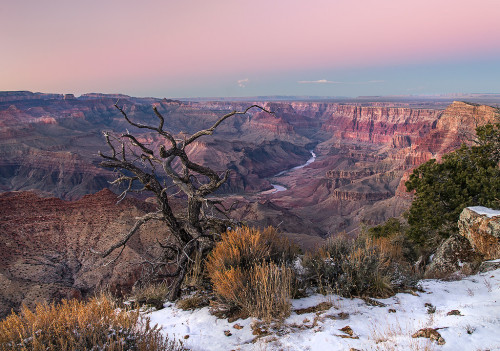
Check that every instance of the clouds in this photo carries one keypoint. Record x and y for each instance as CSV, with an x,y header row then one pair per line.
x,y
242,82
325,81
319,81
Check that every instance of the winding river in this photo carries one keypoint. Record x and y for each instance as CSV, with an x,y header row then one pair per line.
x,y
277,187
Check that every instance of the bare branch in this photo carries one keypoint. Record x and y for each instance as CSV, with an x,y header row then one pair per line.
x,y
190,231
138,143
160,128
210,130
126,237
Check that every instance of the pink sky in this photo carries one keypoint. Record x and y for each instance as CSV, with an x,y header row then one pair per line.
x,y
149,47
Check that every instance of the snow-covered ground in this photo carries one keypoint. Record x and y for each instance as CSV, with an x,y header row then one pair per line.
x,y
477,327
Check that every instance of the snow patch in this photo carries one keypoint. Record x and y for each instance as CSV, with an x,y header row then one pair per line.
x,y
378,328
485,211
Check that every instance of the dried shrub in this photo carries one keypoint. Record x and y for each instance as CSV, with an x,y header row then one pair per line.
x,y
268,295
192,302
360,267
244,247
196,277
76,325
150,294
249,269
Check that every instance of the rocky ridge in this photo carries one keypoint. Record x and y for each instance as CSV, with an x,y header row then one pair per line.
x,y
45,246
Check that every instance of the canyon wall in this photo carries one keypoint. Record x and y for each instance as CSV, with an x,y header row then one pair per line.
x,y
45,246
49,144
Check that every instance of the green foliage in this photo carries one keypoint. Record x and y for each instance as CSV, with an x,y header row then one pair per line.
x,y
389,228
469,176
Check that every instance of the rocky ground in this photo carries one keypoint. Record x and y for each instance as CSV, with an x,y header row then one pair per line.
x,y
444,315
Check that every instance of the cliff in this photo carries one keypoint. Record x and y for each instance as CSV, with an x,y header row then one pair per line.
x,y
45,242
380,124
50,143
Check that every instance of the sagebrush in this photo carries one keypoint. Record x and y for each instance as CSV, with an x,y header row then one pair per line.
x,y
360,267
249,269
76,325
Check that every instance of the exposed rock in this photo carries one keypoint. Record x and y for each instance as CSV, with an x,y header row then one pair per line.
x,y
45,242
323,306
481,226
349,174
8,96
454,313
430,333
379,124
348,330
50,144
489,265
372,302
450,257
401,141
455,126
360,196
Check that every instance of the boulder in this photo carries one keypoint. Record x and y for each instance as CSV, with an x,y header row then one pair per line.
x,y
453,255
481,227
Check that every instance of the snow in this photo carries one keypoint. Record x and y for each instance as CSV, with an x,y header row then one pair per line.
x,y
485,211
477,328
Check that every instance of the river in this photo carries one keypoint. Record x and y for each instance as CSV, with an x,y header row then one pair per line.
x,y
277,187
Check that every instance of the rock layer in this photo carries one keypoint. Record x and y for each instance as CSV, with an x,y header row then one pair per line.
x,y
45,246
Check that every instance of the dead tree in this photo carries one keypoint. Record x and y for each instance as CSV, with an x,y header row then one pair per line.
x,y
194,231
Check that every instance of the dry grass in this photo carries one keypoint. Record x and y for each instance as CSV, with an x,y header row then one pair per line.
x,y
361,267
76,325
268,296
248,269
263,291
192,302
150,295
244,247
392,336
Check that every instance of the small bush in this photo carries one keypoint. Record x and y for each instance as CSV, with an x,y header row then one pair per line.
x,y
244,247
150,295
76,325
360,267
192,302
389,228
268,294
249,269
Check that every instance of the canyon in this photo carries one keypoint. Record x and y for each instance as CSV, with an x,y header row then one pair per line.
x,y
53,208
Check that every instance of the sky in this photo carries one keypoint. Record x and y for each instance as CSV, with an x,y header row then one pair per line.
x,y
200,48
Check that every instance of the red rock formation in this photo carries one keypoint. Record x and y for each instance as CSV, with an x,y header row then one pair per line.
x,y
45,242
349,174
360,196
380,124
456,125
